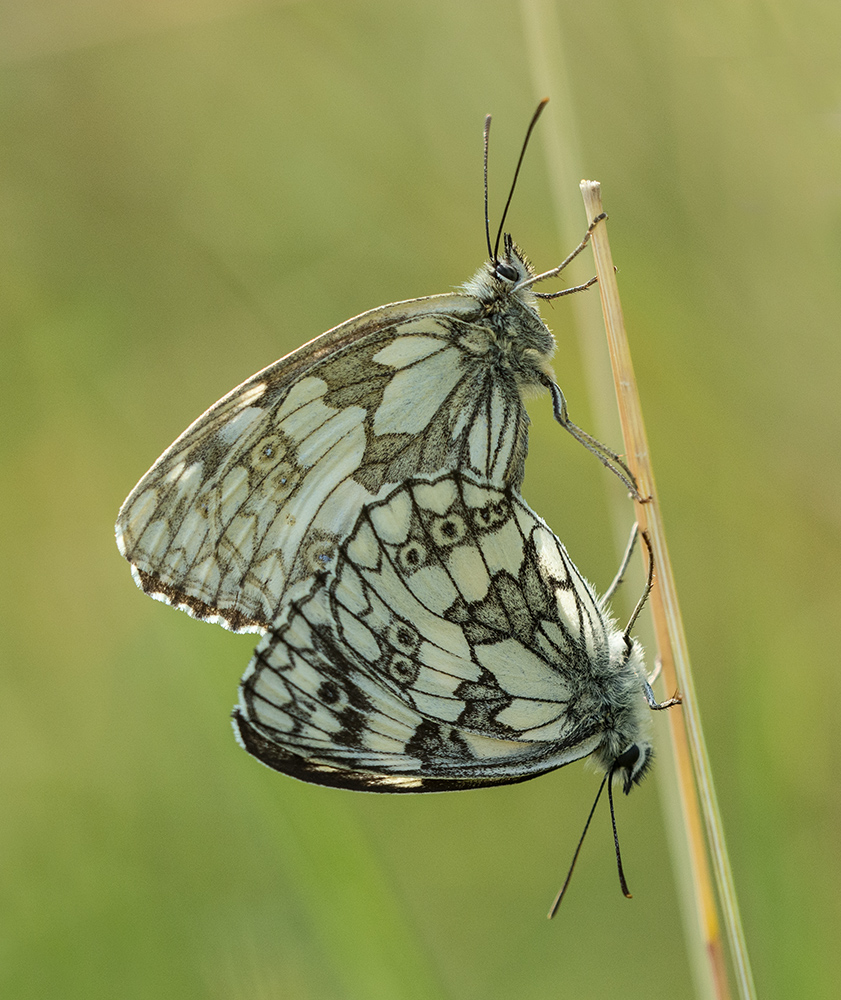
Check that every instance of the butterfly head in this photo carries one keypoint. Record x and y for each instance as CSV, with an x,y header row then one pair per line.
x,y
504,283
632,764
512,266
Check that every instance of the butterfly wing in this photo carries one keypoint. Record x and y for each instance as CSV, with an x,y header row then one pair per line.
x,y
256,495
455,644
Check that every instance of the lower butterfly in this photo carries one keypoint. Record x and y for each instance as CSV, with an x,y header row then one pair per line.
x,y
453,644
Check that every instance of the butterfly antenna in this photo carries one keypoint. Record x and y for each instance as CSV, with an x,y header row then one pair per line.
x,y
623,885
533,122
554,908
486,136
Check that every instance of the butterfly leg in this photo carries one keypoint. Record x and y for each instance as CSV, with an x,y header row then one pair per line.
x,y
656,705
609,459
650,697
564,263
568,291
623,566
649,583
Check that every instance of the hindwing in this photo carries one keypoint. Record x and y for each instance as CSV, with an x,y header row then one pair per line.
x,y
454,643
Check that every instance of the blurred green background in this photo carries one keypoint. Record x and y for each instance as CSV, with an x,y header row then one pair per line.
x,y
190,190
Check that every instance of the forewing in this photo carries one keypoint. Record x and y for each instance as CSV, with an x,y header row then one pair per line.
x,y
256,495
455,644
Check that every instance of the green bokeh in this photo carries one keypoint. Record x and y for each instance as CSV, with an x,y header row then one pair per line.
x,y
190,190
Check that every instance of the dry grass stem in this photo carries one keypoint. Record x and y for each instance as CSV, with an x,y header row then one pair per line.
x,y
698,803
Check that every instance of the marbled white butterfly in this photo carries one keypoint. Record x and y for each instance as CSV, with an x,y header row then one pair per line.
x,y
255,497
453,644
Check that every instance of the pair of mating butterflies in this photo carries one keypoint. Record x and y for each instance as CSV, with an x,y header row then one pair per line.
x,y
358,504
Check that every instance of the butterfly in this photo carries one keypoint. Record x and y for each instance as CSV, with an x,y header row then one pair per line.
x,y
453,644
236,517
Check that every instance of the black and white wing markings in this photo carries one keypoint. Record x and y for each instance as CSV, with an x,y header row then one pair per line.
x,y
454,644
256,495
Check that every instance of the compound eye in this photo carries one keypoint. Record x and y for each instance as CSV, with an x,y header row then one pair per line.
x,y
628,758
503,270
634,763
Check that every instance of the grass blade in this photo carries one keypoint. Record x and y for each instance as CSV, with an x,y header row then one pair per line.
x,y
697,797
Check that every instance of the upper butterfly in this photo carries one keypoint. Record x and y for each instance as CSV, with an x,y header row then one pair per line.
x,y
255,497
